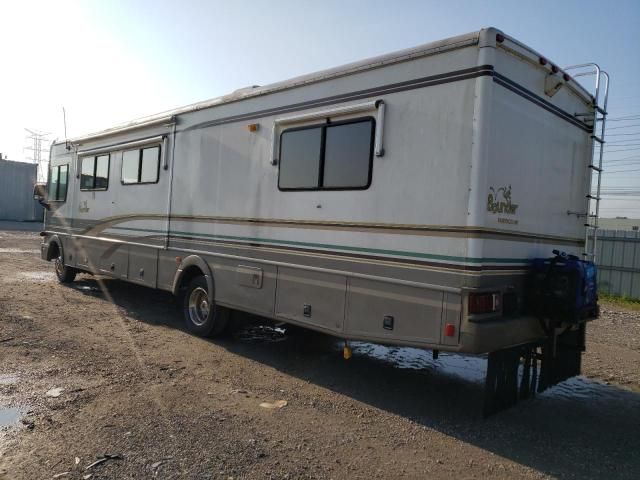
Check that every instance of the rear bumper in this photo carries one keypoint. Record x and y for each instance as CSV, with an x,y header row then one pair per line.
x,y
492,335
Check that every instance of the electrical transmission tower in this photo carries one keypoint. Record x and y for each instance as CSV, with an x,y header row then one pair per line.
x,y
38,144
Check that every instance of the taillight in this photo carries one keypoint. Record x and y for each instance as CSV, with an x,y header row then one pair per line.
x,y
486,302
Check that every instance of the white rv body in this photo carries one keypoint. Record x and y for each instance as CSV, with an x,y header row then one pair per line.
x,y
474,169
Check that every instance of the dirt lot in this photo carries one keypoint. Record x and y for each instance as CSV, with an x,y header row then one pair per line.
x,y
170,405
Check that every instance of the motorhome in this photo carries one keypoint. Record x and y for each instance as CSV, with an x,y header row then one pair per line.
x,y
399,199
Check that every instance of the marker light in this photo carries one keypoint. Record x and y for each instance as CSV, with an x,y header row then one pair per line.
x,y
554,69
499,38
449,330
542,60
486,302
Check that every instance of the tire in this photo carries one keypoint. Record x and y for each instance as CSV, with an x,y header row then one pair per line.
x,y
201,317
64,273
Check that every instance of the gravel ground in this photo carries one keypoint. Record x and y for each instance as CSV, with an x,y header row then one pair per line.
x,y
169,405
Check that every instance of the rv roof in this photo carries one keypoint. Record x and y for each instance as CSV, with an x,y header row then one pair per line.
x,y
431,48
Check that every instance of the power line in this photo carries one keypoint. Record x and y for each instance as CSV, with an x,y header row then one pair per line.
x,y
622,143
622,150
629,118
622,134
623,126
38,140
624,158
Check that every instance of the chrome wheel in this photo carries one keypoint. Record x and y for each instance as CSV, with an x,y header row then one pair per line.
x,y
199,306
59,265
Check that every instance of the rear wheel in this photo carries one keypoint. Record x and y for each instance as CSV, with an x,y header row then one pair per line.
x,y
202,316
64,273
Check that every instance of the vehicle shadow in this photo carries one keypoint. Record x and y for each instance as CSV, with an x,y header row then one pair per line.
x,y
580,428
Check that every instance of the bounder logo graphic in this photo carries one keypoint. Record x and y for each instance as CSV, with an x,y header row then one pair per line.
x,y
499,201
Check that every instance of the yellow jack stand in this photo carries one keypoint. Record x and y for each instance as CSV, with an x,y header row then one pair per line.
x,y
346,351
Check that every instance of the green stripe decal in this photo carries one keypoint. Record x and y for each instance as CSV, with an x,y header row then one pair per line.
x,y
398,253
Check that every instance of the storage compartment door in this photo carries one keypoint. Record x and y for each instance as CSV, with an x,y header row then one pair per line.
x,y
393,312
311,297
143,265
113,259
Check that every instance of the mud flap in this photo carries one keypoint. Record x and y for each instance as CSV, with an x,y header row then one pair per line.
x,y
562,357
518,373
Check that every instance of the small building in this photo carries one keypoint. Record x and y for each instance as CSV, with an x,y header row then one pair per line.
x,y
619,223
16,192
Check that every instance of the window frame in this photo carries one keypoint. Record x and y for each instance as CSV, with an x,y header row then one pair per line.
x,y
323,126
95,170
140,149
49,199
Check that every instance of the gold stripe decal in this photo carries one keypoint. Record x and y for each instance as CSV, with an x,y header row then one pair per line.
x,y
389,228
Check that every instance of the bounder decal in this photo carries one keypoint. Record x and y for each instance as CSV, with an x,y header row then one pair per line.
x,y
499,201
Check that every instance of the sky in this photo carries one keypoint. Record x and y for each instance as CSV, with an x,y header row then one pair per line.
x,y
107,62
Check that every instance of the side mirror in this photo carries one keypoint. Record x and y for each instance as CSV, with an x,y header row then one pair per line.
x,y
40,194
39,191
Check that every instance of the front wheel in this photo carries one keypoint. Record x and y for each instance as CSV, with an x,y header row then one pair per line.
x,y
64,273
202,316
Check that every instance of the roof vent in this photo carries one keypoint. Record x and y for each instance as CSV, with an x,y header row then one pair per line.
x,y
244,89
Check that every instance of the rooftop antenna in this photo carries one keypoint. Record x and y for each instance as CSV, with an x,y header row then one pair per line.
x,y
64,119
67,143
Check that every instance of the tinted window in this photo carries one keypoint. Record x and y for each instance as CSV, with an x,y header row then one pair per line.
x,y
300,158
53,183
62,182
141,165
102,171
95,173
347,155
150,164
58,183
88,169
330,156
130,164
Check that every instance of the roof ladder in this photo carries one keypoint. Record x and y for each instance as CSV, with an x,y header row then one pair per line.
x,y
598,119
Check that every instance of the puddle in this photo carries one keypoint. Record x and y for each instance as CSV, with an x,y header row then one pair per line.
x,y
9,416
86,288
262,333
578,395
18,250
470,368
8,379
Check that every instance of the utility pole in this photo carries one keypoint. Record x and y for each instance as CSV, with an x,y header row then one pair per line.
x,y
38,144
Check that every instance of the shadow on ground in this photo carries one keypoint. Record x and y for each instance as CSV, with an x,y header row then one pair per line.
x,y
580,428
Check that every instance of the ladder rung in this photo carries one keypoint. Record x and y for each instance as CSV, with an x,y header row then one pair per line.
x,y
601,110
598,139
577,214
587,114
593,198
597,169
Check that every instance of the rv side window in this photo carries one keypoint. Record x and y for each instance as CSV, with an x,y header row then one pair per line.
x,y
94,173
300,158
63,176
57,190
333,156
141,165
